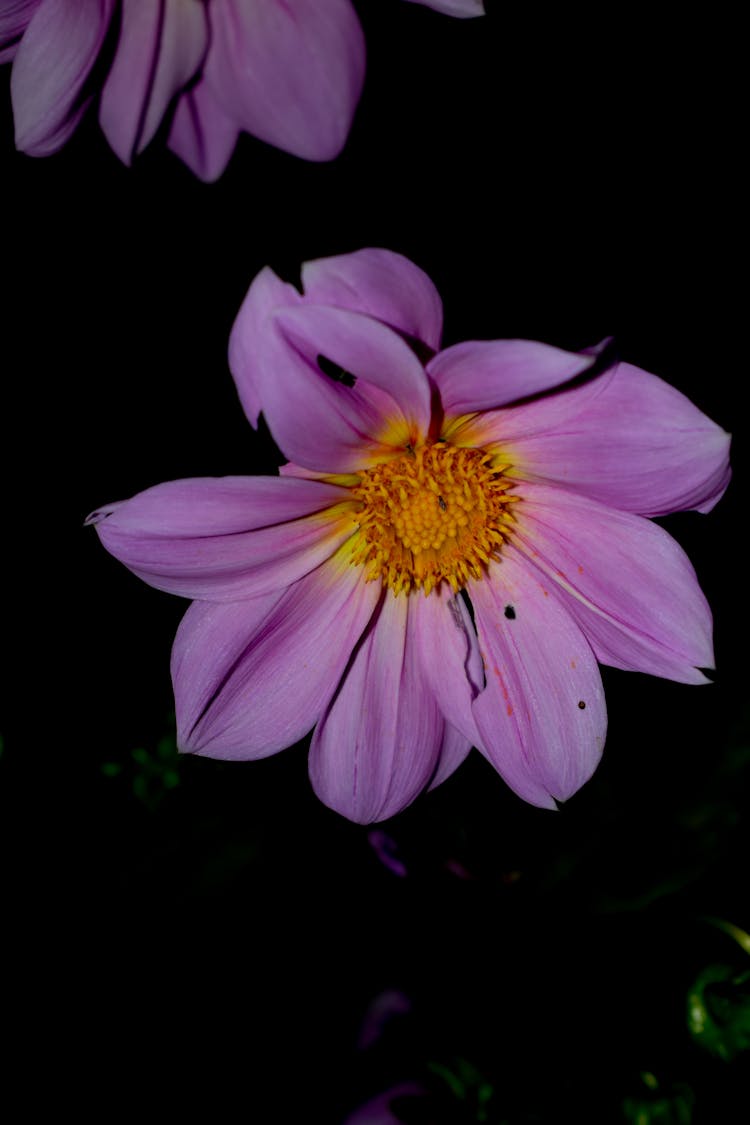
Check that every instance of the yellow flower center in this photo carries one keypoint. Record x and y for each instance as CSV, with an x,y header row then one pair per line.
x,y
438,513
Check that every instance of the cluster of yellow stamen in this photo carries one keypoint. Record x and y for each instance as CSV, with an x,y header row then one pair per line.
x,y
438,513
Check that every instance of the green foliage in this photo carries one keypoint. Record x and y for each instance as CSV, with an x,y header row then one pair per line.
x,y
718,1011
655,1104
151,773
467,1086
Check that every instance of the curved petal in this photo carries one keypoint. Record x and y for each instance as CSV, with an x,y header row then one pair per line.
x,y
381,284
378,744
289,73
251,678
442,624
227,538
160,48
482,374
202,134
463,9
322,424
542,716
56,54
627,439
627,583
454,750
14,19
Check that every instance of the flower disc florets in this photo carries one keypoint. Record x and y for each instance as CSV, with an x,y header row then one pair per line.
x,y
437,513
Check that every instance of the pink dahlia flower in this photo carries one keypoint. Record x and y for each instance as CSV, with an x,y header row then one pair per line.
x,y
287,71
453,545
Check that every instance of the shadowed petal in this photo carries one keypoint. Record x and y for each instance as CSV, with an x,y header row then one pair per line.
x,y
290,73
56,54
202,134
541,717
454,750
160,48
463,9
14,19
322,424
225,538
629,585
252,677
378,745
482,374
381,284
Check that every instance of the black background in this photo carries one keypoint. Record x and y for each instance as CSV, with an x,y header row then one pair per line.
x,y
561,179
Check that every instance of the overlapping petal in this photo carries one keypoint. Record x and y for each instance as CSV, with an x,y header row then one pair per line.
x,y
251,678
202,134
378,744
541,716
289,73
463,9
482,374
629,584
228,538
14,19
53,62
160,48
382,284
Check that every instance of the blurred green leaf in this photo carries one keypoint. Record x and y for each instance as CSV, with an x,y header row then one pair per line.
x,y
150,772
718,1011
658,1105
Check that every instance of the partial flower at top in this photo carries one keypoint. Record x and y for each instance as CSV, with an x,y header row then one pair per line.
x,y
457,539
288,71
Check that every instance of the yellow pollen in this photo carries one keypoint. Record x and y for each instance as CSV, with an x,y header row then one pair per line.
x,y
439,513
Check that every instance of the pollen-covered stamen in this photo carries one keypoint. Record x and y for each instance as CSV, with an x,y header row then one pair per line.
x,y
438,513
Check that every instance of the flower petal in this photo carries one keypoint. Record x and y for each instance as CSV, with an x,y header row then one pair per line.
x,y
228,538
463,9
627,438
322,424
14,19
289,73
160,48
377,746
202,134
251,678
628,584
55,56
381,284
542,716
481,374
454,750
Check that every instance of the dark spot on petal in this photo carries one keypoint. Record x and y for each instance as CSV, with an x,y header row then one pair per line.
x,y
443,505
334,372
582,705
510,613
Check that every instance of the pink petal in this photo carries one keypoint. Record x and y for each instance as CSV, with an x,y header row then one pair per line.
x,y
56,54
14,19
254,346
463,9
454,750
382,284
202,134
481,374
288,72
542,716
627,583
322,424
377,746
627,438
160,48
227,538
252,677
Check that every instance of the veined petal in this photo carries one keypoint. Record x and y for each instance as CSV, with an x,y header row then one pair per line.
x,y
322,424
628,584
627,438
160,48
463,9
377,746
542,716
482,374
381,284
202,134
14,19
55,56
254,345
289,73
442,624
251,678
454,750
228,538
